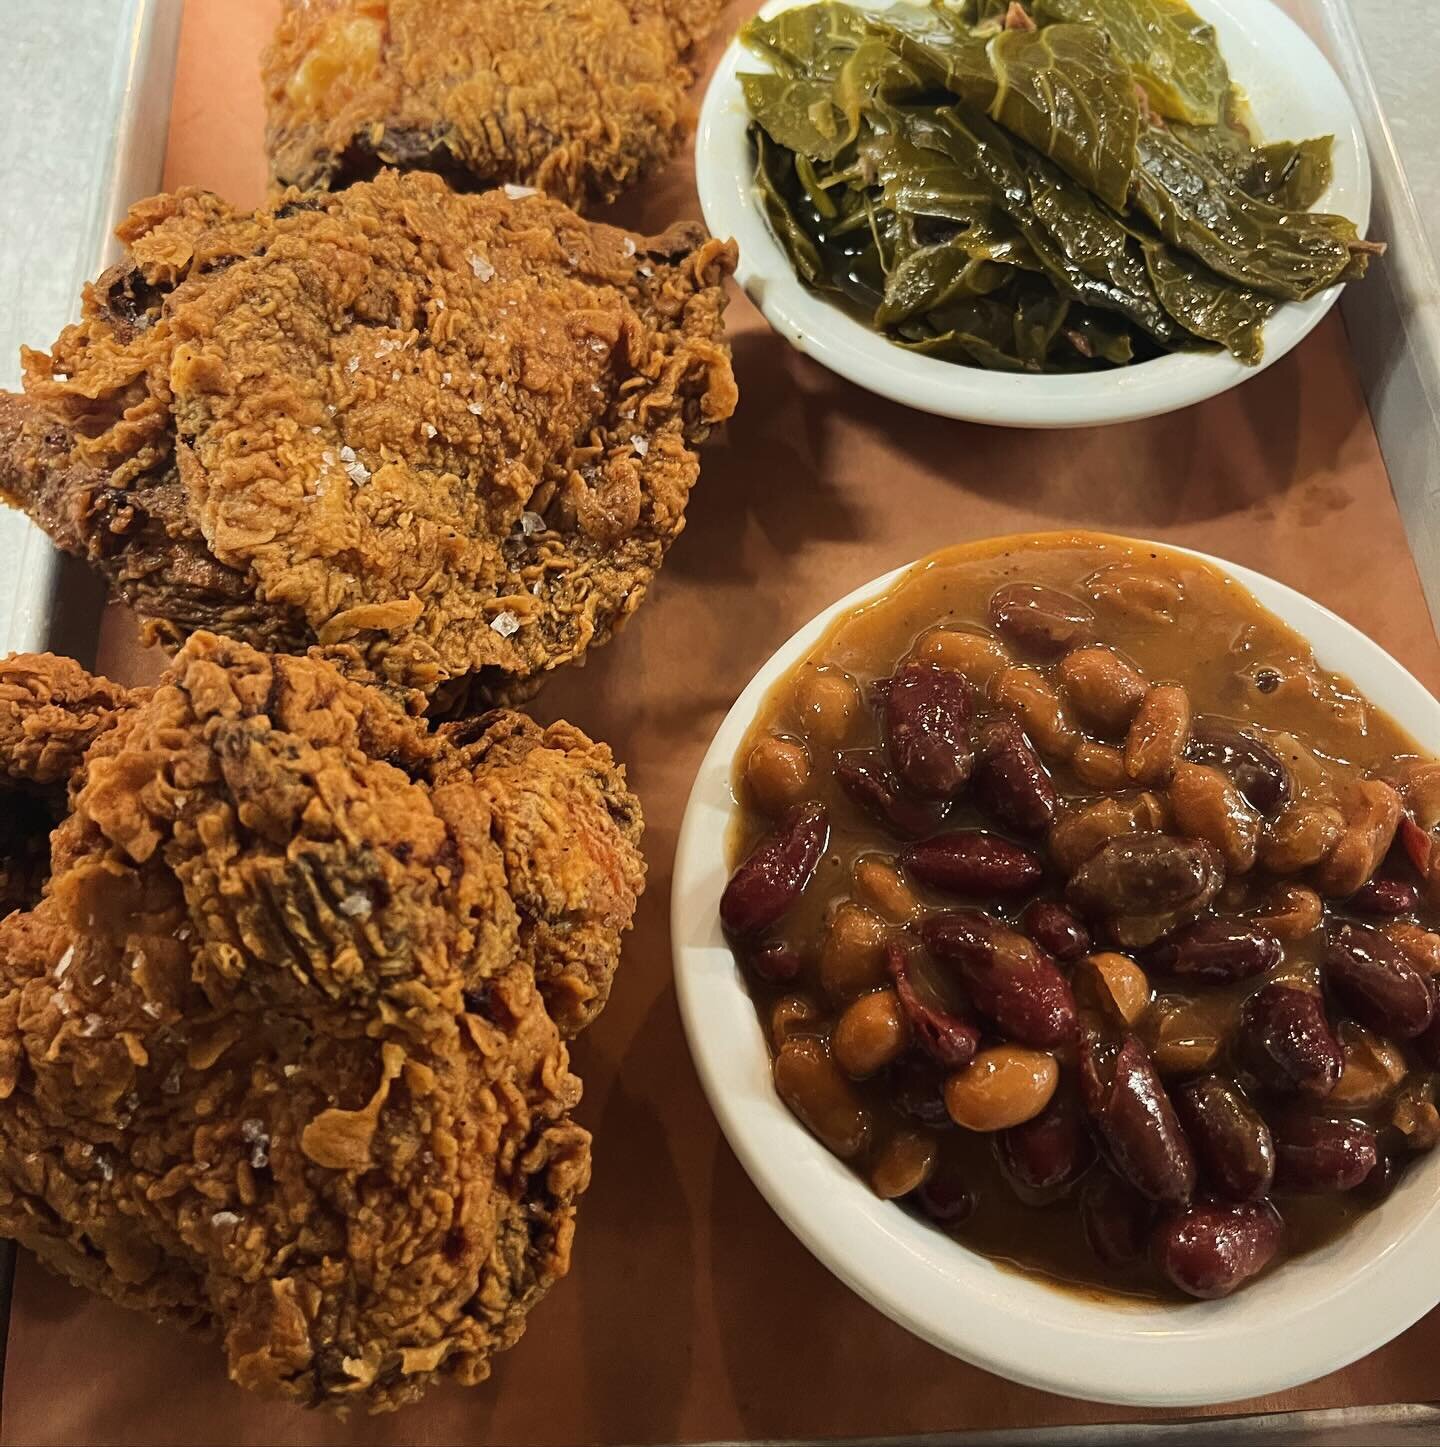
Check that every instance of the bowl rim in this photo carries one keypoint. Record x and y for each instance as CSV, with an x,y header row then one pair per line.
x,y
839,342
1315,1315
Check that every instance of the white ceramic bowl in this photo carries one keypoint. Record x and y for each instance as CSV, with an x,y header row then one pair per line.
x,y
1310,1316
1293,92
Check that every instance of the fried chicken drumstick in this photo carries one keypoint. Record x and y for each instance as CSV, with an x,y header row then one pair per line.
x,y
456,432
282,1034
581,98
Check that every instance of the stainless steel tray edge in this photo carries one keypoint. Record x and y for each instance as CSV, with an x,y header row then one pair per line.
x,y
101,73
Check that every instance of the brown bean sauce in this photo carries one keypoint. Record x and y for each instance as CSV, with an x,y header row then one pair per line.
x,y
1205,894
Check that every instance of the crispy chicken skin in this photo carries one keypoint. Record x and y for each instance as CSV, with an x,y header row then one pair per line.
x,y
282,1045
456,432
582,98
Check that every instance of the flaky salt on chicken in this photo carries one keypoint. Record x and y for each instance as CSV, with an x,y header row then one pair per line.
x,y
581,98
282,1033
455,433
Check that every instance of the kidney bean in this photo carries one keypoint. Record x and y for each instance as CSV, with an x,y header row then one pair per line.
x,y
1232,1143
1380,986
1206,805
945,1035
1032,698
1085,831
1217,952
1113,984
1386,898
1369,831
1373,1068
1003,1086
1318,1153
1010,781
1130,1106
1381,1181
1287,1041
917,1087
1116,1218
972,862
765,887
1041,1157
1146,874
1009,980
1057,930
903,1164
869,1035
826,1103
1418,845
1103,686
777,962
1300,836
866,779
1212,1248
1158,733
778,774
946,1199
927,729
1257,771
1427,1044
1044,621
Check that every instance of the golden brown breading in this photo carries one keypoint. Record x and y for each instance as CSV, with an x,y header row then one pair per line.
x,y
454,431
274,1063
582,98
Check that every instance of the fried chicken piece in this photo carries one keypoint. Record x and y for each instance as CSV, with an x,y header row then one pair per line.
x,y
582,98
276,1061
454,431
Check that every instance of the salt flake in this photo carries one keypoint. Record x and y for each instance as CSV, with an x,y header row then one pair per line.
x,y
224,1218
640,444
531,523
429,430
66,960
481,267
353,365
516,192
628,246
505,624
475,409
356,906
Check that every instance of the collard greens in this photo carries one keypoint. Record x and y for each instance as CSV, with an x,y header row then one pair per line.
x,y
1056,185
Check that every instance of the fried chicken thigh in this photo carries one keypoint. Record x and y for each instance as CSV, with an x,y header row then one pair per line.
x,y
282,1042
455,432
582,98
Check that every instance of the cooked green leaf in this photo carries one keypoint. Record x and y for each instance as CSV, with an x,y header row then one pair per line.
x,y
1173,52
1062,90
771,165
1195,207
932,277
1097,337
797,112
811,40
1213,309
940,47
1292,175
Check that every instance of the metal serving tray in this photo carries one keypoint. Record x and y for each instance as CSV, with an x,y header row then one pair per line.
x,y
87,85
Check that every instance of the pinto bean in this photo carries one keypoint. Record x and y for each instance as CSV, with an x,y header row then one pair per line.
x,y
1413,1116
1206,805
870,1034
1146,875
881,885
1113,984
903,1164
1231,1140
766,886
852,954
1374,1068
977,655
1421,947
1103,686
1300,836
1031,697
1369,832
1212,1248
1009,980
1098,766
1085,832
826,1103
793,1015
1158,734
827,703
1134,1114
1002,1087
778,774
1291,912
1288,1041
1137,591
927,730
1187,1036
1010,780
1040,620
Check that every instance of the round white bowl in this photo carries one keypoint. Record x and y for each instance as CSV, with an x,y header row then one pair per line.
x,y
1293,93
1310,1316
